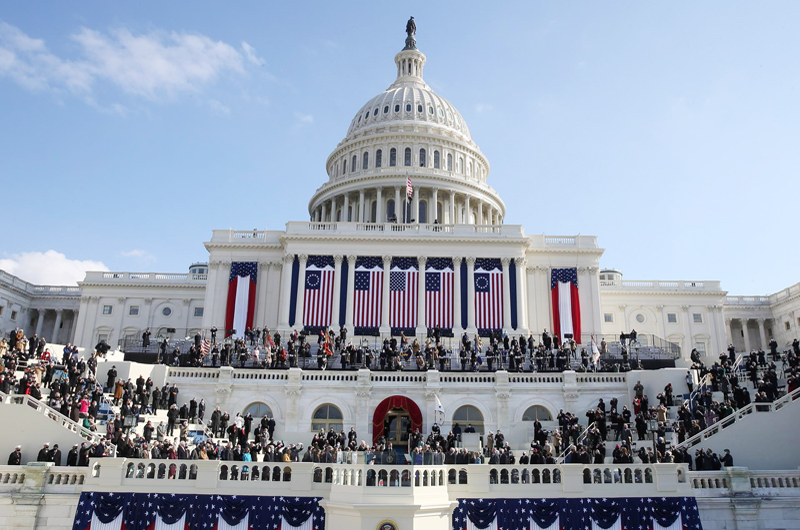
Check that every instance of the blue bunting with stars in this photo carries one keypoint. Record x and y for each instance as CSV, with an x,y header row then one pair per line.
x,y
200,512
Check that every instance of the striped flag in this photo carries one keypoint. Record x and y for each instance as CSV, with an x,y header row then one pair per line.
x,y
205,346
439,293
566,303
403,289
241,297
488,294
318,299
409,187
368,288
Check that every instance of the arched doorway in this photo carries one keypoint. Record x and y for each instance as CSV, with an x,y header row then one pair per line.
x,y
394,417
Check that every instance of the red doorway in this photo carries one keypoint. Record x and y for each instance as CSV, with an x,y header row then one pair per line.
x,y
391,403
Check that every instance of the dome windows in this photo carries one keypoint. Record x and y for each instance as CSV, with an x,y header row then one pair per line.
x,y
449,162
408,107
386,109
344,167
423,158
436,160
353,165
375,113
441,113
407,157
378,158
366,115
359,119
397,108
430,111
419,109
365,160
392,157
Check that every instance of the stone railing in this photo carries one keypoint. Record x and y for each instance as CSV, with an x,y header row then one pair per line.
x,y
740,481
772,299
38,290
401,229
143,278
51,413
42,477
739,415
662,285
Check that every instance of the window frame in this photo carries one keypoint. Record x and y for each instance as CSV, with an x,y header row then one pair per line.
x,y
133,311
108,309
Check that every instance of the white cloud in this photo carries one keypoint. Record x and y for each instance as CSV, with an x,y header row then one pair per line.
x,y
303,118
153,66
138,253
251,54
218,108
49,268
484,107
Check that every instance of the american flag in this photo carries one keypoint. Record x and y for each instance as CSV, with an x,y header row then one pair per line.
x,y
565,303
488,294
205,346
318,291
403,289
409,188
155,511
368,289
439,293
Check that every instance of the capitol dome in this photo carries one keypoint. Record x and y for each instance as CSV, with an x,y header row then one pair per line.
x,y
407,133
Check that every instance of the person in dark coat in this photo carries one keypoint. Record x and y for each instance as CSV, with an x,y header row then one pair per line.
x,y
15,458
146,338
55,455
44,453
112,378
72,456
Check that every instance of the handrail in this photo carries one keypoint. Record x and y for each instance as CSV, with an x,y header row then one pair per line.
x,y
738,415
25,399
704,382
581,436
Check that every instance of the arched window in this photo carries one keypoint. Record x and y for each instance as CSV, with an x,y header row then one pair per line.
x,y
344,167
439,216
390,209
349,214
469,169
460,166
436,159
408,107
422,158
392,157
373,212
353,166
407,158
469,415
449,162
258,410
423,211
365,161
386,109
327,417
378,158
537,412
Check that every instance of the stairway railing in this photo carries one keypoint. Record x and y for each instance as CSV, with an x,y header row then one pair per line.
x,y
582,436
739,415
53,414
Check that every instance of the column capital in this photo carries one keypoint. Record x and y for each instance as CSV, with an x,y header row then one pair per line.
x,y
470,260
583,270
351,259
120,300
338,258
148,300
520,261
215,264
435,190
457,261
542,268
387,259
264,265
505,261
422,260
303,257
760,321
277,265
685,307
594,270
659,307
728,321
60,311
288,258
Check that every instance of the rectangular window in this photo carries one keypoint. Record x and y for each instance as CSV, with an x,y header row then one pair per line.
x,y
134,311
107,309
13,315
102,337
198,311
672,318
788,325
701,348
1,310
697,318
608,318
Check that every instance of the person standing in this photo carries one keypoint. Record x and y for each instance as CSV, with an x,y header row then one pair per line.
x,y
146,338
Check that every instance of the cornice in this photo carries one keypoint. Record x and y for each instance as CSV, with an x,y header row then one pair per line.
x,y
605,290
395,239
199,285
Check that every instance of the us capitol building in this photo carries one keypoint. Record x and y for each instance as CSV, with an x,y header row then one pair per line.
x,y
406,235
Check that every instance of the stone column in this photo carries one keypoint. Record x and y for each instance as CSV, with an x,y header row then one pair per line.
x,y
301,286
451,206
345,208
54,336
286,285
40,322
379,207
360,216
729,333
397,213
435,201
471,295
747,346
457,294
532,286
324,212
467,213
260,318
479,220
522,291
415,206
337,290
421,324
384,328
506,295
761,332
351,278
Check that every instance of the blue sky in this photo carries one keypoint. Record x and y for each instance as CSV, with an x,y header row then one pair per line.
x,y
128,131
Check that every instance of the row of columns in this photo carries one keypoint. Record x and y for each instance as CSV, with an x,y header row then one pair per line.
x,y
762,332
54,336
325,211
286,281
